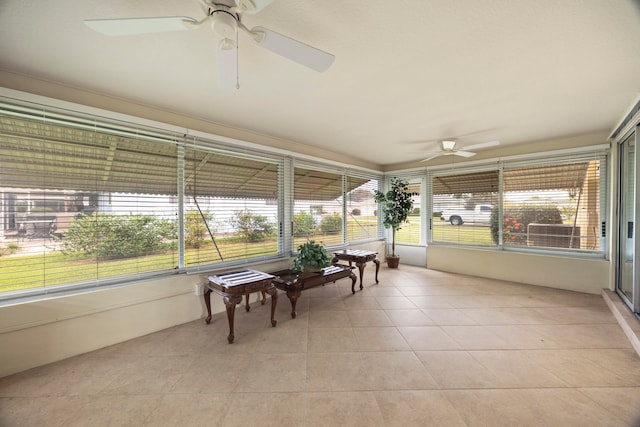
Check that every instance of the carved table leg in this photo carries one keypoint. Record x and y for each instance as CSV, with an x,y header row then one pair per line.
x,y
247,307
231,301
377,263
274,300
293,297
353,282
264,298
361,265
207,302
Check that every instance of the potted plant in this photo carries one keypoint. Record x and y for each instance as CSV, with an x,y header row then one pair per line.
x,y
311,257
396,205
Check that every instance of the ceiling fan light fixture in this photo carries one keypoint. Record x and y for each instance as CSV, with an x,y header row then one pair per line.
x,y
224,24
448,144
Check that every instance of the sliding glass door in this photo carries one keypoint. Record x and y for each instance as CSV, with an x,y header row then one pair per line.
x,y
627,283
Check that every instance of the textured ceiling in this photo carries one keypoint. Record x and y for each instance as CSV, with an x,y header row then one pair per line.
x,y
405,71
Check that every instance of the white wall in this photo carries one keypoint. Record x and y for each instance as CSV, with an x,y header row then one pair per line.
x,y
575,274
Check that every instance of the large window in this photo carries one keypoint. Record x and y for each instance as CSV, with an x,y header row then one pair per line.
x,y
555,206
83,201
552,203
333,207
410,232
464,203
86,201
362,221
231,207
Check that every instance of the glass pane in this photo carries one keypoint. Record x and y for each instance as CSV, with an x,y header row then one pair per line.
x,y
556,206
410,232
231,209
317,207
362,222
465,204
80,205
627,217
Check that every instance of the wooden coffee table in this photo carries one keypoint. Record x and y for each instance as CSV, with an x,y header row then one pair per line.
x,y
360,258
233,286
294,283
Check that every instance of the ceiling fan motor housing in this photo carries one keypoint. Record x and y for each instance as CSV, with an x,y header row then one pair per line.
x,y
224,23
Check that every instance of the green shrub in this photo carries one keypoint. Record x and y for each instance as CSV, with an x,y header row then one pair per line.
x,y
355,212
196,229
517,218
13,247
251,227
117,236
415,211
303,224
331,224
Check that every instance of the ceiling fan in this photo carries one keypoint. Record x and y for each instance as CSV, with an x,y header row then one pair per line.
x,y
448,148
225,20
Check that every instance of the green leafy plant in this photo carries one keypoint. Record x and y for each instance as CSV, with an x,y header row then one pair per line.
x,y
252,227
196,228
516,219
118,236
396,205
312,255
303,224
331,224
13,247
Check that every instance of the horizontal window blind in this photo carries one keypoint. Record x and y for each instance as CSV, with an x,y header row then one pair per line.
x,y
82,205
362,221
554,206
231,207
546,203
318,206
464,203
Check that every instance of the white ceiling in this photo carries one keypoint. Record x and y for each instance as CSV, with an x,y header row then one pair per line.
x,y
404,72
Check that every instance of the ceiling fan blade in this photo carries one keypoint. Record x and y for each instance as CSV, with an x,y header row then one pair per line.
x,y
463,153
482,145
294,50
252,6
132,26
431,157
228,63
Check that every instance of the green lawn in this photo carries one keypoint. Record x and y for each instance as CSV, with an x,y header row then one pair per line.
x,y
446,233
53,269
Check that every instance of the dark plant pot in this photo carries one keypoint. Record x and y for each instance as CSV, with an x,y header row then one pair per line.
x,y
393,261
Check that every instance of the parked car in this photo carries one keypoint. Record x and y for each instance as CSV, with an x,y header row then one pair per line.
x,y
479,214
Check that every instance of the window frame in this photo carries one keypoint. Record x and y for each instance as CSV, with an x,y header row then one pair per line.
x,y
598,152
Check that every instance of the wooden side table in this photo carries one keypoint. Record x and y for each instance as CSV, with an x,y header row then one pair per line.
x,y
233,286
360,258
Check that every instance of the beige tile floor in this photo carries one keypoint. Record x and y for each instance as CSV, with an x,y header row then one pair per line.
x,y
422,348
